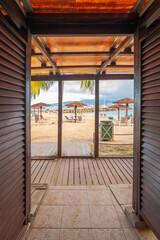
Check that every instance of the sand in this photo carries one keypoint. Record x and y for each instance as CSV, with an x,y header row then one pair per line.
x,y
47,131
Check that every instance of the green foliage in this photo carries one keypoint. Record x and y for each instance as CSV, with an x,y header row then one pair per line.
x,y
37,86
87,85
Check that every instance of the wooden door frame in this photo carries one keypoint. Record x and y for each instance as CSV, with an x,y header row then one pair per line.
x,y
28,127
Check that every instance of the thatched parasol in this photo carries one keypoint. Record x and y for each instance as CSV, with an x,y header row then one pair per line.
x,y
40,105
118,106
125,101
75,105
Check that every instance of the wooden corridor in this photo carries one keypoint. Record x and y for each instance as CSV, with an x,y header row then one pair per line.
x,y
47,149
82,171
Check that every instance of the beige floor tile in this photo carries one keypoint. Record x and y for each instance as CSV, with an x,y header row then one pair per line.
x,y
120,186
130,234
108,234
75,197
99,197
114,201
44,234
97,187
54,198
122,218
76,217
75,234
104,217
48,217
124,196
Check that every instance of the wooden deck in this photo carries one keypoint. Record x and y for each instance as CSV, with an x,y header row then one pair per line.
x,y
82,171
47,149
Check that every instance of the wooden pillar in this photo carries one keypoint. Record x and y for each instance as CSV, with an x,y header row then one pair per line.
x,y
59,153
28,130
137,124
96,136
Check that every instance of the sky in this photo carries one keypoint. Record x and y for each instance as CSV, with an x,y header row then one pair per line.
x,y
116,89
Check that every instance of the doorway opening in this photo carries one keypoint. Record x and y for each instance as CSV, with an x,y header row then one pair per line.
x,y
116,118
44,119
78,119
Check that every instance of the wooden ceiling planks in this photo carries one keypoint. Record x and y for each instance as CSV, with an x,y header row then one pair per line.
x,y
56,6
86,51
80,51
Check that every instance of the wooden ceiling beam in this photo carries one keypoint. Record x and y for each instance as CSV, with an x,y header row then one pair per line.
x,y
14,12
64,54
80,77
151,14
115,42
114,54
27,5
69,30
82,66
138,6
39,44
82,18
144,9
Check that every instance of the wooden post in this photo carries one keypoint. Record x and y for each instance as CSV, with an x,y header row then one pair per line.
x,y
59,154
28,129
127,112
118,114
96,136
75,114
41,113
137,124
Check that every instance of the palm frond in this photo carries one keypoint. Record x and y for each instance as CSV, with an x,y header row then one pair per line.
x,y
36,87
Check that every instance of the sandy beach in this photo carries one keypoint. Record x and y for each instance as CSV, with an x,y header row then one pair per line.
x,y
47,131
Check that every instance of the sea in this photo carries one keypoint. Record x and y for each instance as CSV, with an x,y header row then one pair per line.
x,y
108,113
112,113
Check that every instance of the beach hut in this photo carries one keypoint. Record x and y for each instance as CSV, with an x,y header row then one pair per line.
x,y
75,105
39,106
118,107
125,101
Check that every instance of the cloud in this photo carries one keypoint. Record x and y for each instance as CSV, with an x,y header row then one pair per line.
x,y
119,88
72,92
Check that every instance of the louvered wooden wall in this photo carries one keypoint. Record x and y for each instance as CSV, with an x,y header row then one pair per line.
x,y
12,132
150,130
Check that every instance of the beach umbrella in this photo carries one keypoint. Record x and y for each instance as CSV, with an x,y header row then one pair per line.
x,y
118,107
75,105
125,101
40,105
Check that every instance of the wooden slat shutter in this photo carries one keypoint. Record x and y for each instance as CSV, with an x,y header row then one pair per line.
x,y
150,130
14,129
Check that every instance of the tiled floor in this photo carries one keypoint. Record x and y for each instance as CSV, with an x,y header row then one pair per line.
x,y
81,213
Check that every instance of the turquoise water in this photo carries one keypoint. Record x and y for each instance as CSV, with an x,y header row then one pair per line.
x,y
112,113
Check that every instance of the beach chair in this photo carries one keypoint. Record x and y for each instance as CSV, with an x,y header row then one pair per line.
x,y
79,118
111,118
69,119
123,121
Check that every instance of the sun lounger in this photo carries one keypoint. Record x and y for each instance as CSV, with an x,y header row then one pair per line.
x,y
69,119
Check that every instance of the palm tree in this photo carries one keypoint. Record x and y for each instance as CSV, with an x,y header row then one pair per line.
x,y
87,84
37,86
